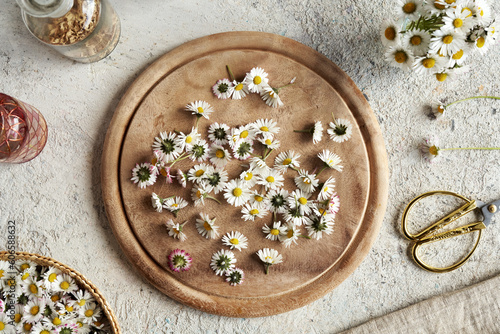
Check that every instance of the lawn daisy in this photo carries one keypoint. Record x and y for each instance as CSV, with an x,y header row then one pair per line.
x,y
299,201
276,200
327,189
269,257
334,204
409,9
222,88
239,90
272,179
447,41
219,156
271,97
331,160
179,260
270,143
265,127
316,131
200,109
389,33
83,297
33,310
182,178
32,288
216,179
197,173
235,240
206,226
174,204
430,149
429,64
199,151
459,20
186,141
272,233
317,225
451,73
417,41
438,108
458,58
244,132
6,326
287,159
256,80
175,230
237,192
222,262
65,284
436,7
90,313
295,217
258,199
157,202
218,133
481,44
483,11
50,276
198,194
290,236
306,182
143,175
397,56
43,328
258,165
340,130
252,211
243,149
168,146
492,32
235,276
249,177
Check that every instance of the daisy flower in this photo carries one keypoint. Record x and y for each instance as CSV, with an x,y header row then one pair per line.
x,y
167,144
340,130
219,156
316,131
483,11
271,97
6,326
272,179
257,198
299,201
270,142
256,80
179,260
186,141
244,132
451,73
216,179
43,328
317,225
243,149
197,173
237,192
175,204
327,189
389,33
199,151
458,58
235,276
306,182
239,90
175,230
331,160
182,178
417,41
32,289
429,64
409,9
222,262
276,199
334,204
258,165
65,283
252,211
481,44
218,133
200,109
50,276
198,194
287,159
157,202
33,310
249,178
290,236
438,109
206,226
265,127
235,240
459,20
436,7
430,149
269,257
222,88
143,175
275,231
68,327
447,41
83,297
397,56
295,217
90,313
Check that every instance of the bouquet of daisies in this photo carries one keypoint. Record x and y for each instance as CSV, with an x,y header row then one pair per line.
x,y
437,36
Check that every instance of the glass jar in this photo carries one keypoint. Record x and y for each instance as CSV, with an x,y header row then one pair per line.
x,y
83,30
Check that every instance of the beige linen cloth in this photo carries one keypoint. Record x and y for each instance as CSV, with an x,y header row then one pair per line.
x,y
475,309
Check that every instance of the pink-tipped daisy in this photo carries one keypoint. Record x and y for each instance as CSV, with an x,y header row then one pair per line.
x,y
222,88
179,260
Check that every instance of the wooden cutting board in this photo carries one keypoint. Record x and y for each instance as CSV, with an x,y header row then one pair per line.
x,y
156,101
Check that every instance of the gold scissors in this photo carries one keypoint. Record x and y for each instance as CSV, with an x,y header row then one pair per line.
x,y
433,233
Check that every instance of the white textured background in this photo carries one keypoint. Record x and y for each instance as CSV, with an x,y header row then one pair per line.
x,y
56,198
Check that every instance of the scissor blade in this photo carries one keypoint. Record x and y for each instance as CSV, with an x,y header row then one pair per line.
x,y
489,210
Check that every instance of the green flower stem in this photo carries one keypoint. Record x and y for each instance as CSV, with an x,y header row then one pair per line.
x,y
180,158
304,236
230,73
256,155
293,168
213,199
469,148
334,120
266,268
197,120
317,174
278,89
471,98
265,157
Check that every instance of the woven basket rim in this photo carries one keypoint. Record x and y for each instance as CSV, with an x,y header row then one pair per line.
x,y
86,283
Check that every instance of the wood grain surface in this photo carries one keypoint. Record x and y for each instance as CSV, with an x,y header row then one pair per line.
x,y
156,101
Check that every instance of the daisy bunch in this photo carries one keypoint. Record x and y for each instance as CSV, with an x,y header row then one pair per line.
x,y
436,37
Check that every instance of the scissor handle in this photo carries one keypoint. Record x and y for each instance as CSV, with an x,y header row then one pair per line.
x,y
478,226
429,231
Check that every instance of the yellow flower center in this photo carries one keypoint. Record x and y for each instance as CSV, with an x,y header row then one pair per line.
x,y
34,310
238,87
17,317
481,11
428,63
55,298
480,42
64,285
439,5
254,212
458,55
416,40
69,308
27,327
433,150
303,200
248,176
321,211
306,180
89,313
80,324
237,192
287,161
447,39
467,9
189,139
200,110
325,189
33,289
220,154
11,282
198,194
163,172
234,241
44,332
82,302
268,142
244,134
275,231
270,179
199,172
207,226
56,321
289,234
1,273
24,266
176,231
269,259
264,129
409,8
97,323
390,33
400,57
449,2
2,326
175,205
25,276
257,80
258,198
52,277
154,161
457,23
440,109
441,76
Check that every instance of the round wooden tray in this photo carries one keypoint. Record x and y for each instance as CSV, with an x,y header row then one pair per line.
x,y
155,103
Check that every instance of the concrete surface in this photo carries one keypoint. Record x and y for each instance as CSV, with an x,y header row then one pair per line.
x,y
56,198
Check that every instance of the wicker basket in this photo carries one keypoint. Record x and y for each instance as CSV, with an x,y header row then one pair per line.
x,y
82,281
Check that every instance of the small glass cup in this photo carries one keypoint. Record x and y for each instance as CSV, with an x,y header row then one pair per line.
x,y
23,131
